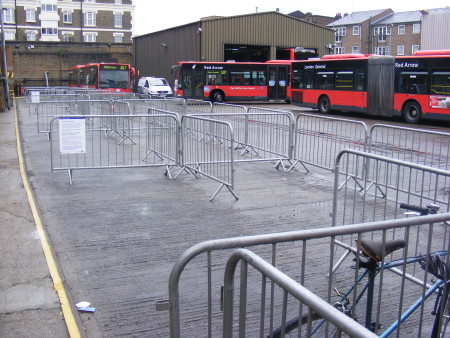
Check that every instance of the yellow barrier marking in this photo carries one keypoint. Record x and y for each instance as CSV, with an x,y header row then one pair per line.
x,y
58,284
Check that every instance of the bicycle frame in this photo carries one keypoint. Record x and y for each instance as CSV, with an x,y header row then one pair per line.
x,y
369,287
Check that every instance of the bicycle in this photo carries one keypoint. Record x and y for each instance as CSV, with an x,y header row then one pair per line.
x,y
369,256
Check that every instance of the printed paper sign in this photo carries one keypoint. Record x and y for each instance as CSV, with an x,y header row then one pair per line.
x,y
72,135
35,97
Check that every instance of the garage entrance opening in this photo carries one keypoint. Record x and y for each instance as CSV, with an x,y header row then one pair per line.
x,y
246,53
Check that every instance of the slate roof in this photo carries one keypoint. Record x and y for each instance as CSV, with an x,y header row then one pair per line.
x,y
356,18
400,17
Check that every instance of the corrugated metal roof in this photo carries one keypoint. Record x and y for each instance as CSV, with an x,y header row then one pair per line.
x,y
400,17
356,18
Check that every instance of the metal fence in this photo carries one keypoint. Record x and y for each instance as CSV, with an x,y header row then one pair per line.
x,y
113,141
307,257
369,187
46,111
319,139
426,147
207,149
290,287
260,136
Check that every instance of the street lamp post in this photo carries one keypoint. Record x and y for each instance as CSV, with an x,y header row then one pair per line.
x,y
4,70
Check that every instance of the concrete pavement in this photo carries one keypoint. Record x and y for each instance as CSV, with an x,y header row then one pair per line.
x,y
29,303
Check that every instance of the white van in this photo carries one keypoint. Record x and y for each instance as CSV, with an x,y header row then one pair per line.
x,y
154,86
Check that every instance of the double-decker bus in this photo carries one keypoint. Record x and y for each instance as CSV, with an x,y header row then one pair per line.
x,y
232,81
413,87
116,77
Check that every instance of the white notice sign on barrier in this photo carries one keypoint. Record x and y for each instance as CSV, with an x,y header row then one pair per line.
x,y
35,97
72,135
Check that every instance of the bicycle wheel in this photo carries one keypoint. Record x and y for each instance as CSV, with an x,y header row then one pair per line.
x,y
442,315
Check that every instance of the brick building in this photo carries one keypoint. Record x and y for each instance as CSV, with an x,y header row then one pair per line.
x,y
107,21
384,32
353,31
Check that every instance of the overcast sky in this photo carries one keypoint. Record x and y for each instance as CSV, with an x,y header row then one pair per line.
x,y
155,15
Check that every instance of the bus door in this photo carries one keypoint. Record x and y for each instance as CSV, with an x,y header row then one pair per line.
x,y
278,80
193,83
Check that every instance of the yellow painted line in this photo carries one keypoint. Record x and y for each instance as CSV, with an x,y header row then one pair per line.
x,y
58,284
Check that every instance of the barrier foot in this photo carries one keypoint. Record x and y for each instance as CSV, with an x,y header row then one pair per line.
x,y
69,171
280,162
220,188
293,165
187,170
167,172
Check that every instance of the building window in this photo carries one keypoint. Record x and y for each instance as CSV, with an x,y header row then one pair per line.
x,y
117,19
30,15
90,19
68,36
67,17
355,49
400,50
382,33
340,32
31,35
118,2
415,48
8,15
49,8
118,37
339,50
355,30
10,35
382,50
90,37
416,28
401,29
49,31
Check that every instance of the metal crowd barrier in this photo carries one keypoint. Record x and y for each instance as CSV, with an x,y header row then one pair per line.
x,y
426,147
196,106
113,141
319,139
260,135
290,287
380,184
228,108
196,279
46,111
207,149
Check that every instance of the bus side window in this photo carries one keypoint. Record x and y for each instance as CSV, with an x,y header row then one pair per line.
x,y
440,83
360,80
344,80
325,80
309,79
413,82
298,79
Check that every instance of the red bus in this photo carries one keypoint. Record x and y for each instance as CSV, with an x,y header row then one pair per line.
x,y
412,87
116,77
232,81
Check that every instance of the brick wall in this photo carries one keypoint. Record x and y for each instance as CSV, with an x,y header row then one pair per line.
x,y
30,60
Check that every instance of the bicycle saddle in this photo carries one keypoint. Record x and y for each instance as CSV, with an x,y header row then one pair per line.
x,y
373,248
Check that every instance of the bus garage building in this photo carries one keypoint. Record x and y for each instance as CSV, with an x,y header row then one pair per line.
x,y
252,37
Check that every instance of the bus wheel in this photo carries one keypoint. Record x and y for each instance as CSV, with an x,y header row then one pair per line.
x,y
218,97
324,104
412,112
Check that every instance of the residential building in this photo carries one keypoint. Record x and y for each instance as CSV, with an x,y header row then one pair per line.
x,y
384,32
108,21
397,34
353,31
